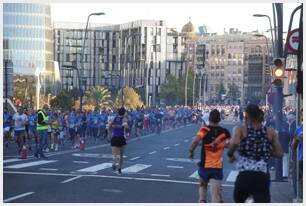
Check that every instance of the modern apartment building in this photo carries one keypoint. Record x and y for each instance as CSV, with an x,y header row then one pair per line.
x,y
140,54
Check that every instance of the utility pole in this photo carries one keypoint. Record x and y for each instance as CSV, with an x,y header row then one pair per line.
x,y
278,99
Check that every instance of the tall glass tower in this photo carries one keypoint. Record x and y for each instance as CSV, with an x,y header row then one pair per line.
x,y
28,46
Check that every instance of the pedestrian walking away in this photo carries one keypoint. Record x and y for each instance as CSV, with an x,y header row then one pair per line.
x,y
214,139
118,128
256,144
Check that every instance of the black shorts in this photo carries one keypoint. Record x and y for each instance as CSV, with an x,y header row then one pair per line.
x,y
252,183
118,141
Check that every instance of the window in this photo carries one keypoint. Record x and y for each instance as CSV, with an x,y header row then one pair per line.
x,y
67,58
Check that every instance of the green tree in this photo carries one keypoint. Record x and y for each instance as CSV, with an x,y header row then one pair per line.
x,y
220,90
75,93
233,92
62,101
173,90
131,98
100,97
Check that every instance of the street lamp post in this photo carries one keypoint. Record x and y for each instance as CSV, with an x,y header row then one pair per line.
x,y
269,55
83,51
264,15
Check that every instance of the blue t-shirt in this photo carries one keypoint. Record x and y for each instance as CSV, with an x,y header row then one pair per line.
x,y
7,120
71,122
299,134
95,121
32,121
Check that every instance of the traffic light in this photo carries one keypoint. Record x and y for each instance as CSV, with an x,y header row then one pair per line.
x,y
278,72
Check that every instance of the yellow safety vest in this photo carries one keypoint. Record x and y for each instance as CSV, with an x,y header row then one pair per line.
x,y
40,127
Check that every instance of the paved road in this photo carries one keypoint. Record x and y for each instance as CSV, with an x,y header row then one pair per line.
x,y
156,170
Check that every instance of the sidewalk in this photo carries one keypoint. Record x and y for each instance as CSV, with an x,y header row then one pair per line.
x,y
282,192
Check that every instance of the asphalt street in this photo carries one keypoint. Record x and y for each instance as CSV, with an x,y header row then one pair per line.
x,y
156,170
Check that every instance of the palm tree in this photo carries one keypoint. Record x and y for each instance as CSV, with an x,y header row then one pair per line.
x,y
99,96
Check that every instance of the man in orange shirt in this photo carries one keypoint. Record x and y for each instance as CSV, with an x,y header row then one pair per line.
x,y
214,139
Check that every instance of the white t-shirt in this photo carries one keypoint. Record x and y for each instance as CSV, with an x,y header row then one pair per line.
x,y
19,121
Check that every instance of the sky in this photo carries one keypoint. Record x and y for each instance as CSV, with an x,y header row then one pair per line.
x,y
216,16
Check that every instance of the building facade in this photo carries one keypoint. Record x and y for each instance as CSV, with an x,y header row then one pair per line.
x,y
139,54
27,37
237,67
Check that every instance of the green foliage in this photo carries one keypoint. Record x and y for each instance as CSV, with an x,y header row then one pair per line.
x,y
220,90
130,97
233,91
62,101
173,90
100,97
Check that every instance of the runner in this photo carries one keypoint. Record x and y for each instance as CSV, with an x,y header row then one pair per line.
x,y
256,144
20,120
32,117
118,128
214,139
7,127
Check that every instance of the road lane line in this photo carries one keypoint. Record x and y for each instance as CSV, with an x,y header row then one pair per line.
x,y
178,167
135,168
111,177
11,160
186,140
80,162
48,169
30,164
165,148
71,179
159,175
135,158
18,196
176,145
96,168
112,190
194,175
152,152
232,176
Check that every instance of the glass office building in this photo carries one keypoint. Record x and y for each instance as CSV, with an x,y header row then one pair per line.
x,y
28,43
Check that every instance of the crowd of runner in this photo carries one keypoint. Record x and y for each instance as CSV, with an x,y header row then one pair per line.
x,y
70,127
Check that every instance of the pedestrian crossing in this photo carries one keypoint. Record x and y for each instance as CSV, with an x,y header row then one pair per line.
x,y
106,166
29,164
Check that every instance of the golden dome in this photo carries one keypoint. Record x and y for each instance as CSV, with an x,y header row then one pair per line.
x,y
188,28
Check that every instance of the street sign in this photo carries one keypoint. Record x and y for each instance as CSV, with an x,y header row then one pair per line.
x,y
293,40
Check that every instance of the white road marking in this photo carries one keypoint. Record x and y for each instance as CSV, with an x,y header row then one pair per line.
x,y
96,167
165,148
110,177
135,168
112,190
48,169
18,196
176,145
183,160
194,175
94,155
159,175
186,140
232,176
152,152
71,179
11,160
178,167
80,162
30,164
135,158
